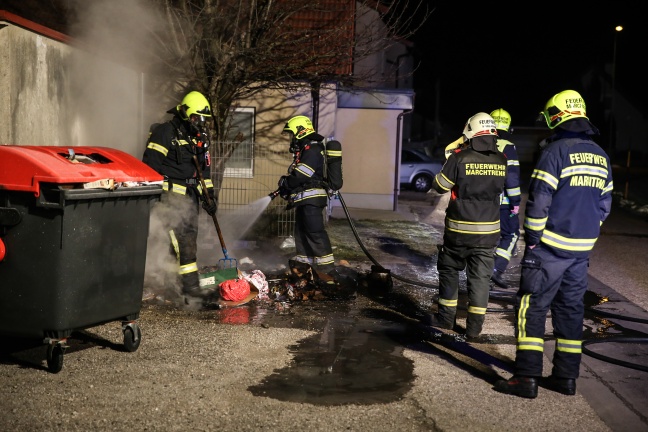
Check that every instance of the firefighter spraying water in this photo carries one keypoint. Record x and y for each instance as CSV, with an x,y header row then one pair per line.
x,y
316,171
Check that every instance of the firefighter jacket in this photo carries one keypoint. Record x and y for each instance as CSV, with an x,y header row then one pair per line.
x,y
305,180
570,194
170,150
475,180
512,195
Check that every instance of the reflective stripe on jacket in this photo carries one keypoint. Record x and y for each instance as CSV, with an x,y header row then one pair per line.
x,y
476,180
306,178
512,194
570,195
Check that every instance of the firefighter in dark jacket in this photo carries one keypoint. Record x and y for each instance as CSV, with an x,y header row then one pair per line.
x,y
170,150
509,200
304,189
570,196
474,174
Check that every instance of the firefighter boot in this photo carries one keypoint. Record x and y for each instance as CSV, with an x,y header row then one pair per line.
x,y
323,274
566,386
444,319
198,292
523,386
300,269
498,279
474,324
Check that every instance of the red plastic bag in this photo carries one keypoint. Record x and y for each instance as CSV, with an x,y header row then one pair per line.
x,y
234,289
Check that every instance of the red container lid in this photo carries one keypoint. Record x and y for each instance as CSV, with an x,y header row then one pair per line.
x,y
23,168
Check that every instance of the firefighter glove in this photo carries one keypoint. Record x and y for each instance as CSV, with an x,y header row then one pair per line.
x,y
284,191
210,207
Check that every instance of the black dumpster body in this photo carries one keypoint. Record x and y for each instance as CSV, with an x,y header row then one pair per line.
x,y
74,223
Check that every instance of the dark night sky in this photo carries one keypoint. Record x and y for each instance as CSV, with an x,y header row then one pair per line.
x,y
516,55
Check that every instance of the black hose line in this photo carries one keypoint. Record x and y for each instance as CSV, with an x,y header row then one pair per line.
x,y
612,360
364,249
511,299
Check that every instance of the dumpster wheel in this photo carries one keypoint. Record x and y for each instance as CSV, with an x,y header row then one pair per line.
x,y
55,352
132,336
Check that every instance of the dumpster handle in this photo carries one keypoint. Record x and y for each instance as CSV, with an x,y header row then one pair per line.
x,y
9,216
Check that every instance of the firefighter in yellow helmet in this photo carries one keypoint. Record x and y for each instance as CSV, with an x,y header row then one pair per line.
x,y
474,176
170,150
509,200
304,189
570,195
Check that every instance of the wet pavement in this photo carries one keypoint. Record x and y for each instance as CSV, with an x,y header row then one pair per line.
x,y
356,361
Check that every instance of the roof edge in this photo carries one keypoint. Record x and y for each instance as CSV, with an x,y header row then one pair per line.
x,y
33,26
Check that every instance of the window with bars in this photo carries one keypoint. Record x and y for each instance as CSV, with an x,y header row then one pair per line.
x,y
240,163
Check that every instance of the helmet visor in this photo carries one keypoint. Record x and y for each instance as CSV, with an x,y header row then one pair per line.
x,y
205,112
198,120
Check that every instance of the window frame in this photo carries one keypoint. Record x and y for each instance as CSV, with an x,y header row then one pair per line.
x,y
246,171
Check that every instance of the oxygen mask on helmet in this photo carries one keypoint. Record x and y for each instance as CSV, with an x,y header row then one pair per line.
x,y
293,145
198,122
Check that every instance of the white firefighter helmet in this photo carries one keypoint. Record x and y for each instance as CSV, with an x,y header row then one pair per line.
x,y
479,125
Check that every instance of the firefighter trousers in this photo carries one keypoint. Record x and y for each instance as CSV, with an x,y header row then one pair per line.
x,y
478,263
550,282
180,218
509,235
311,239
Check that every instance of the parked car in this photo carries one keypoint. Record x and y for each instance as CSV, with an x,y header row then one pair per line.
x,y
417,170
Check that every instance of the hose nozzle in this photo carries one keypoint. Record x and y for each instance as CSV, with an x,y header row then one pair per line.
x,y
274,194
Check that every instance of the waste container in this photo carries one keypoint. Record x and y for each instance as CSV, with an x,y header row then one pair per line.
x,y
74,224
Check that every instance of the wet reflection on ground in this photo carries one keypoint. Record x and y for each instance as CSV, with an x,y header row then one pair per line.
x,y
354,359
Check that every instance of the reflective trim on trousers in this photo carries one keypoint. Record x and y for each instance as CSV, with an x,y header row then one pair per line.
x,y
188,268
530,343
174,243
569,346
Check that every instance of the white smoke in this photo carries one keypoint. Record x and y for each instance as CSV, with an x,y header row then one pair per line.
x,y
115,45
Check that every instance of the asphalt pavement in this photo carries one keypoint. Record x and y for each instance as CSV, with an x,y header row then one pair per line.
x,y
614,370
363,363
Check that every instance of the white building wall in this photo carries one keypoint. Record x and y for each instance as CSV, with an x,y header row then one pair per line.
x,y
55,94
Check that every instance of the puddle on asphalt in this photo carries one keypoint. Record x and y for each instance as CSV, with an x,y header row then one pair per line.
x,y
353,360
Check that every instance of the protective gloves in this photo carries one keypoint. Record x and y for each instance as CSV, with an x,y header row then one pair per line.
x,y
210,209
284,191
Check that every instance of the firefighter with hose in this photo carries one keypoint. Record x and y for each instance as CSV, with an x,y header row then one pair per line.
x,y
170,150
305,189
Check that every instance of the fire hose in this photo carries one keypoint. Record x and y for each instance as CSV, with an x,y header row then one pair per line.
x,y
379,268
509,298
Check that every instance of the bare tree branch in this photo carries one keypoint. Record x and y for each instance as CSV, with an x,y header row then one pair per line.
x,y
232,49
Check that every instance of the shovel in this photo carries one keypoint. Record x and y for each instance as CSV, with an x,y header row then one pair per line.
x,y
226,262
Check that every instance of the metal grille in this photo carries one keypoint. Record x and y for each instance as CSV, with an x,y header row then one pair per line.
x,y
248,177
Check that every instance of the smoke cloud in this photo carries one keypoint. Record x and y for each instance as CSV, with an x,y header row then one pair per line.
x,y
115,49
